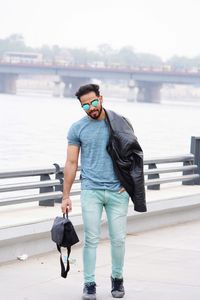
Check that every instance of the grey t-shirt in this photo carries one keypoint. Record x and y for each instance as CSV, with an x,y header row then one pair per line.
x,y
96,165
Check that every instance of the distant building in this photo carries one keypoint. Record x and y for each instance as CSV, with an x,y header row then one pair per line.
x,y
22,57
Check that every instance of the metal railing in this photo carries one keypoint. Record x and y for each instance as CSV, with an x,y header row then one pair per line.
x,y
49,181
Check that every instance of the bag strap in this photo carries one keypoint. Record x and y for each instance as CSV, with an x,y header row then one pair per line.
x,y
65,215
63,270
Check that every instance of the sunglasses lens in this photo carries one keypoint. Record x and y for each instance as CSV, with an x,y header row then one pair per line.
x,y
85,106
95,102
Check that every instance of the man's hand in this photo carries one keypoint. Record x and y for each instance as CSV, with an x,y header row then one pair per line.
x,y
66,205
121,190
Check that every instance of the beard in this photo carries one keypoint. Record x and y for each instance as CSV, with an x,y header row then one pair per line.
x,y
94,114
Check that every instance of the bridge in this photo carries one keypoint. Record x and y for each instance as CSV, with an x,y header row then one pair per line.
x,y
148,81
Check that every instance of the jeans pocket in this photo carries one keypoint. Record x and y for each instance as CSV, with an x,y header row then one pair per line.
x,y
124,194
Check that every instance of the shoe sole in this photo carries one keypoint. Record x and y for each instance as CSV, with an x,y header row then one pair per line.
x,y
118,294
89,298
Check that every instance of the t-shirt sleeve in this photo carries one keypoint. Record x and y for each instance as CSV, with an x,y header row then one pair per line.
x,y
72,137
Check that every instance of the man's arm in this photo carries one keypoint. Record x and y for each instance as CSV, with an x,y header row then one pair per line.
x,y
70,169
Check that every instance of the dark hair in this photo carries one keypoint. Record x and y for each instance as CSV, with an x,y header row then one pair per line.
x,y
85,89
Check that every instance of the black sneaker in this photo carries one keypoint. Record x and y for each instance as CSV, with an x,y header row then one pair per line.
x,y
117,288
89,291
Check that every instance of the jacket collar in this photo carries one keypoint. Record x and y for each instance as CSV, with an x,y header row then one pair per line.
x,y
110,115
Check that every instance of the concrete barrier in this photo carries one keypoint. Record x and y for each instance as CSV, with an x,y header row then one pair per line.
x,y
34,238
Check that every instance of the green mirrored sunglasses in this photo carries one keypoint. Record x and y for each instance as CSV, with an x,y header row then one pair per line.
x,y
94,103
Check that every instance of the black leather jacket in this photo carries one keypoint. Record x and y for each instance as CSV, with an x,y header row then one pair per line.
x,y
127,157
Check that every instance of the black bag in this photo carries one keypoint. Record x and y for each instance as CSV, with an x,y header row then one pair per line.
x,y
64,235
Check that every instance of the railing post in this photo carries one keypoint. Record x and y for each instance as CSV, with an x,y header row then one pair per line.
x,y
195,149
153,176
59,175
190,172
47,189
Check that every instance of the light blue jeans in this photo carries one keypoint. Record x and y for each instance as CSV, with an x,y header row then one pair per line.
x,y
116,207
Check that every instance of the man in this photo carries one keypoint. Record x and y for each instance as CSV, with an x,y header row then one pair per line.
x,y
100,188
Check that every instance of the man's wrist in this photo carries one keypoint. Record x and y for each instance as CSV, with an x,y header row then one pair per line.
x,y
65,196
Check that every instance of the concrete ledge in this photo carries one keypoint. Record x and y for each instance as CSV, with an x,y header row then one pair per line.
x,y
34,238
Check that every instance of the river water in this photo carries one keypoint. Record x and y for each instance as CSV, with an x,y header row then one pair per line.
x,y
33,128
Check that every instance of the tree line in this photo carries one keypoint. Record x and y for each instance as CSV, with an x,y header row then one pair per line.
x,y
105,55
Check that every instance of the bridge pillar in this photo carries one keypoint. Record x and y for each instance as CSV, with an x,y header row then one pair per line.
x,y
8,83
132,91
72,84
148,92
57,88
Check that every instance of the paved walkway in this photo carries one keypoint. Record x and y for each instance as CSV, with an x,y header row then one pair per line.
x,y
163,264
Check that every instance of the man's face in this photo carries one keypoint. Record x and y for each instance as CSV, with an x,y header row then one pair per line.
x,y
94,111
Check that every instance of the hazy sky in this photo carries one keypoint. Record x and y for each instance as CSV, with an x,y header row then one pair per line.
x,y
163,27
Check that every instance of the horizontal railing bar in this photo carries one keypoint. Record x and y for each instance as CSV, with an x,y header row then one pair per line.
x,y
157,160
172,179
52,170
170,170
27,172
58,195
31,198
29,185
169,159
